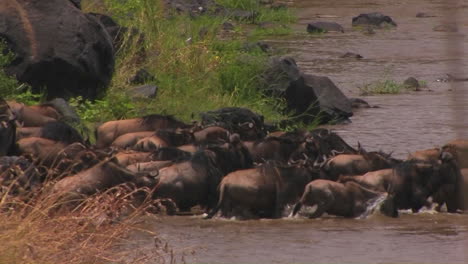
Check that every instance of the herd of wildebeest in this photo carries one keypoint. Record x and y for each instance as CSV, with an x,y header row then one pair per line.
x,y
227,170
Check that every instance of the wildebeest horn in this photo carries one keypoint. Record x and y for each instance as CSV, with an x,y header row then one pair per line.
x,y
335,152
446,156
293,162
305,156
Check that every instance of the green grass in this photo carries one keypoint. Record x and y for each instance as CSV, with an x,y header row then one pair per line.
x,y
198,66
383,87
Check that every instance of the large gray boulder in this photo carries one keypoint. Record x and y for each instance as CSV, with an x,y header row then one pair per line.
x,y
58,48
308,97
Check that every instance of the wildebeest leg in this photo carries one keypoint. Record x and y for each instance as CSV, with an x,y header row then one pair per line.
x,y
222,189
323,205
296,209
321,209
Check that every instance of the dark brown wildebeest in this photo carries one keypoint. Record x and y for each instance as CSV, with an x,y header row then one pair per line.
x,y
356,164
29,117
425,155
44,149
100,177
7,129
46,110
128,140
150,166
194,181
412,182
271,148
57,131
349,199
455,195
109,131
126,158
460,146
151,143
263,191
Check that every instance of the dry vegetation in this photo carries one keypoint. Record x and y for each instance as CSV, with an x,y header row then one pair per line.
x,y
96,231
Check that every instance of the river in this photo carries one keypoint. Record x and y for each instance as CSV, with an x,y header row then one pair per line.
x,y
403,123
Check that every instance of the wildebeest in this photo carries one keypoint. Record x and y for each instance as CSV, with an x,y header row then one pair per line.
x,y
349,199
411,182
109,131
126,158
100,177
271,148
57,131
151,143
7,129
460,146
44,149
194,181
262,191
356,164
128,140
29,117
425,155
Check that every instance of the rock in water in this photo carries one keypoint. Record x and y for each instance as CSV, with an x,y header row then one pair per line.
x,y
324,27
58,48
374,19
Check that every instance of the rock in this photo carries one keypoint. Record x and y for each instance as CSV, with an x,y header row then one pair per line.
x,y
374,19
67,112
193,7
76,3
351,55
145,91
424,15
412,83
332,103
141,76
324,27
306,96
446,28
251,46
228,26
249,125
242,15
282,72
359,103
58,48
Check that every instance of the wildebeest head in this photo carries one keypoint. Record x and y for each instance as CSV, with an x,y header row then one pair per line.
x,y
176,137
232,155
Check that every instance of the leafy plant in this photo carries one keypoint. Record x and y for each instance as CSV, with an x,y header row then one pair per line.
x,y
382,87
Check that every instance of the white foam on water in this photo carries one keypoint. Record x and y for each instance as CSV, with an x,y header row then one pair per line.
x,y
373,205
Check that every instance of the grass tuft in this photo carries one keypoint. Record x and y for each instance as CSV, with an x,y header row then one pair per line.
x,y
382,87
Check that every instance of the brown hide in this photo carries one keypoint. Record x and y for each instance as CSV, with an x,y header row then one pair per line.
x,y
129,140
348,199
109,131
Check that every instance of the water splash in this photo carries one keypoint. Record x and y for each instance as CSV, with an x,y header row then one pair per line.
x,y
372,205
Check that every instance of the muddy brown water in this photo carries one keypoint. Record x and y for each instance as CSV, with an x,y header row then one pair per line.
x,y
403,123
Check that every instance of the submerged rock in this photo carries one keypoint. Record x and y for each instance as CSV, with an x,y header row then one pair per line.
x,y
324,27
351,55
374,19
58,48
412,83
